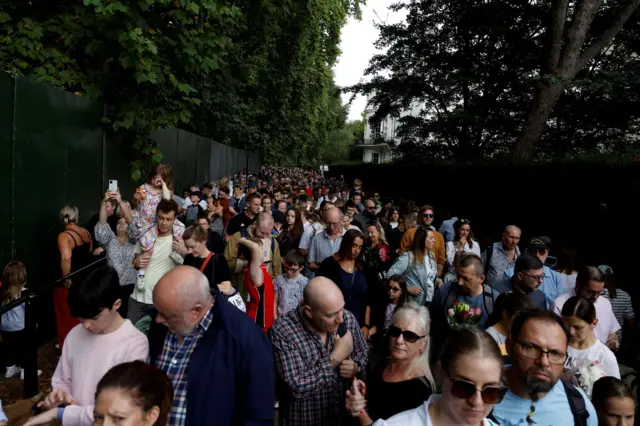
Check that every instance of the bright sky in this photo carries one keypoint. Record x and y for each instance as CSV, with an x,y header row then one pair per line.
x,y
357,48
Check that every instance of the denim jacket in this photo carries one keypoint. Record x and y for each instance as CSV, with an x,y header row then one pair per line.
x,y
420,276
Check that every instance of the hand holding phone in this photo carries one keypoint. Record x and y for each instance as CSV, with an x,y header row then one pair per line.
x,y
113,185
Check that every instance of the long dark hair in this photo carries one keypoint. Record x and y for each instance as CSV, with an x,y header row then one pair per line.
x,y
403,288
456,227
609,387
296,229
346,245
419,246
579,307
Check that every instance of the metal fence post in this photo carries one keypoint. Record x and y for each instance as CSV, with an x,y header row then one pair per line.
x,y
30,358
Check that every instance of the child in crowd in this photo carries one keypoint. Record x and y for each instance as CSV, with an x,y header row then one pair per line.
x,y
614,402
584,348
290,285
507,306
147,197
261,305
102,340
14,279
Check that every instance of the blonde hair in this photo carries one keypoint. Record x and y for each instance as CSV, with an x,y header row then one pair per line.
x,y
69,214
413,312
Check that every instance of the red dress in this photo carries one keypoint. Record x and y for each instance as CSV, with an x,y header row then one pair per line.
x,y
80,257
260,306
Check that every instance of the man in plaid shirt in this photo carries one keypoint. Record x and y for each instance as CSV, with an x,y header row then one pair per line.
x,y
314,362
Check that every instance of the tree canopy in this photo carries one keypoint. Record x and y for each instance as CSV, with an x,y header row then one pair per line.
x,y
544,73
256,75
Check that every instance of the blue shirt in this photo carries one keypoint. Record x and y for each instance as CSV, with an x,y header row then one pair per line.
x,y
437,304
536,296
13,320
446,229
551,410
551,285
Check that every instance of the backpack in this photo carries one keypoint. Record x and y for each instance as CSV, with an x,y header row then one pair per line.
x,y
487,295
576,404
487,261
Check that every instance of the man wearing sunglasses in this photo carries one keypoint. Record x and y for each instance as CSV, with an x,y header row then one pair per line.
x,y
425,218
526,278
551,284
537,395
589,284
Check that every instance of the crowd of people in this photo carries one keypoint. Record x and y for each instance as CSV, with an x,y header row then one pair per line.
x,y
287,296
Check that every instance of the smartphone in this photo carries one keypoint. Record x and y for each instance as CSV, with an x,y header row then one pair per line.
x,y
113,185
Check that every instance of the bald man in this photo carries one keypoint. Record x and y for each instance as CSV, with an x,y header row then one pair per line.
x,y
261,228
314,362
327,242
219,361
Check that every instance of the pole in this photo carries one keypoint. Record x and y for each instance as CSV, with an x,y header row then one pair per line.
x,y
30,354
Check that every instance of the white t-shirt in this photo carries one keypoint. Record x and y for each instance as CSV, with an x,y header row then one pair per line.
x,y
418,416
596,352
497,336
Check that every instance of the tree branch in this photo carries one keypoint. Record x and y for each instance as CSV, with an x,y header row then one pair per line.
x,y
581,22
607,36
556,31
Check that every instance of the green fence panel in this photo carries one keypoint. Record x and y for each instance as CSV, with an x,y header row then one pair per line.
x,y
6,178
203,152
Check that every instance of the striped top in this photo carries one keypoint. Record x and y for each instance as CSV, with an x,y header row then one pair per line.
x,y
622,308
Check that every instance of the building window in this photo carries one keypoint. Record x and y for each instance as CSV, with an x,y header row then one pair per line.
x,y
375,130
375,158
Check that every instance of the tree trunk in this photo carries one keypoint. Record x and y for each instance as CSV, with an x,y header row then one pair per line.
x,y
544,101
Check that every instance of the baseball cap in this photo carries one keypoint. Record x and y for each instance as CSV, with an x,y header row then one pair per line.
x,y
540,243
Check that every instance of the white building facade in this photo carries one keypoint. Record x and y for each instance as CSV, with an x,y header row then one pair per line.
x,y
375,147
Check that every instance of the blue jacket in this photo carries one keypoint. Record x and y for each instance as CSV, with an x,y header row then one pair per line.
x,y
230,374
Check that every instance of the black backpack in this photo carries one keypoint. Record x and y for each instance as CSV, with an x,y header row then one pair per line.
x,y
576,404
487,295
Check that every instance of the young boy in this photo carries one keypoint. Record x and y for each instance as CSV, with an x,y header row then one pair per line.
x,y
102,340
261,305
290,285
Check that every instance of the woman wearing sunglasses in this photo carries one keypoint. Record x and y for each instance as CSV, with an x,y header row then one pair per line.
x,y
470,367
404,380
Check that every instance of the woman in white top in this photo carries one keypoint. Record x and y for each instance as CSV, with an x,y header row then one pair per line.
x,y
462,241
584,348
471,365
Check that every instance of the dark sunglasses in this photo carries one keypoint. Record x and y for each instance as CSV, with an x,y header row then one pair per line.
x,y
462,389
428,215
409,336
393,289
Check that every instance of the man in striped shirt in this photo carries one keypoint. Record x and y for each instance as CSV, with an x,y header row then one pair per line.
x,y
620,302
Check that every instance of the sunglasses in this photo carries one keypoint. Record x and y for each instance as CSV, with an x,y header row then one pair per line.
x,y
393,289
428,215
462,389
408,336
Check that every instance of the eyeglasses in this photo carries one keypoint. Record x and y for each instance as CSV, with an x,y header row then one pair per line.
x,y
409,336
428,215
371,207
463,389
393,289
535,352
290,268
535,277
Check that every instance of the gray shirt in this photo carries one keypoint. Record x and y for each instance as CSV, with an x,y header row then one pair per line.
x,y
119,255
289,292
322,247
499,262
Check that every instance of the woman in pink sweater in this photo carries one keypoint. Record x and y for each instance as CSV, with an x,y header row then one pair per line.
x,y
102,340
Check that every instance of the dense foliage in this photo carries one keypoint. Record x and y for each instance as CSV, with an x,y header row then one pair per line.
x,y
256,75
487,74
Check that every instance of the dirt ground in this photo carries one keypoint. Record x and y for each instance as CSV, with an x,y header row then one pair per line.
x,y
11,389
